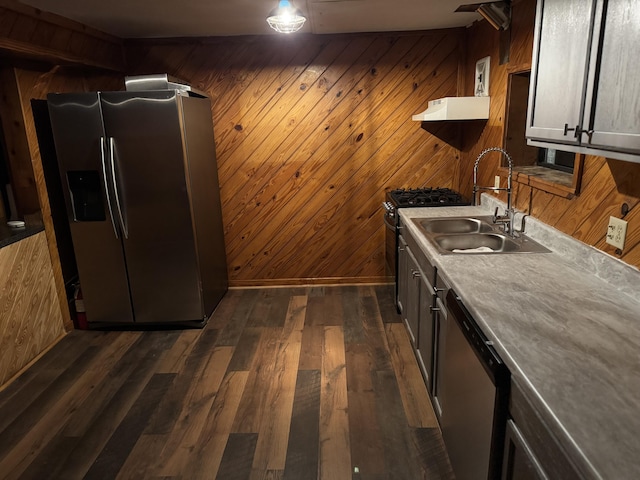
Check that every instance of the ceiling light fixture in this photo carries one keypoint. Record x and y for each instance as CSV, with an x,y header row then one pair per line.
x,y
285,18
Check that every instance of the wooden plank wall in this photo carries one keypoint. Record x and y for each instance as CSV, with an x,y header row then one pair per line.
x,y
310,131
17,148
606,184
27,32
30,317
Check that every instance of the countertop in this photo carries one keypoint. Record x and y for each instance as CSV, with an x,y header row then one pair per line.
x,y
10,235
567,324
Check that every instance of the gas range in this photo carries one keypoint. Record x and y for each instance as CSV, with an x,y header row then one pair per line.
x,y
401,198
419,197
425,197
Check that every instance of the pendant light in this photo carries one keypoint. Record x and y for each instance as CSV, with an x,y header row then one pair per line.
x,y
286,18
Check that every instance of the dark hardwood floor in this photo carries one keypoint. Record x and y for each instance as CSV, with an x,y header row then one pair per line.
x,y
283,383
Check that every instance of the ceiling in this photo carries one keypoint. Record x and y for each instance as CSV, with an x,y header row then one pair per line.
x,y
203,18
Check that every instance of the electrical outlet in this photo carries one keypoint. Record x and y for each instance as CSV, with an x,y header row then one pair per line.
x,y
616,232
496,181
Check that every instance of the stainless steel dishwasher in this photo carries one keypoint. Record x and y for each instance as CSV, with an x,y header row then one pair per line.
x,y
474,389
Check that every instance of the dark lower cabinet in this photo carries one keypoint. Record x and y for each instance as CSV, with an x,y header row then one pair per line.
x,y
408,289
403,275
426,331
532,451
412,310
519,462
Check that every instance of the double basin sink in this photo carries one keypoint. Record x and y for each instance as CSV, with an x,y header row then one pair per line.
x,y
474,235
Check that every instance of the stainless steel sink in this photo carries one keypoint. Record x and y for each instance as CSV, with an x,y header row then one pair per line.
x,y
455,225
474,235
494,241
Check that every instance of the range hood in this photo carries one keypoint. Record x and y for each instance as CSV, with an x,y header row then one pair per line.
x,y
455,108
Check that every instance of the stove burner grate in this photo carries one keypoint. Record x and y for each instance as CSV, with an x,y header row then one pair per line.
x,y
426,197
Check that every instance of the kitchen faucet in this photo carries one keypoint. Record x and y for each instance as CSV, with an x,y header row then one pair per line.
x,y
507,219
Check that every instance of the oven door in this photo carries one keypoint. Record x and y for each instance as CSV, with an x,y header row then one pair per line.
x,y
390,242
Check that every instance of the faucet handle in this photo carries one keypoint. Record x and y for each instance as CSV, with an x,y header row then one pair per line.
x,y
522,224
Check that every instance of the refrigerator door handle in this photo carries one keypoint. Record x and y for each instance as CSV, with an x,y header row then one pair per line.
x,y
106,186
112,148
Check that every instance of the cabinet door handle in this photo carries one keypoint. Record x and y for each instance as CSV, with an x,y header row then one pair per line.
x,y
576,130
588,132
415,273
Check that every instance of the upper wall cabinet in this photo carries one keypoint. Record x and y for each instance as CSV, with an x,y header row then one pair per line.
x,y
585,95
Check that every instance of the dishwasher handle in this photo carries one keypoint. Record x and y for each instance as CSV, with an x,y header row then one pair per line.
x,y
482,347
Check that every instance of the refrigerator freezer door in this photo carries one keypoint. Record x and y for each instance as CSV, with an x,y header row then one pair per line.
x,y
145,130
79,140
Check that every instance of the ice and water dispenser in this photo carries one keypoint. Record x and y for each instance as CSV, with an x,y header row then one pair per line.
x,y
86,195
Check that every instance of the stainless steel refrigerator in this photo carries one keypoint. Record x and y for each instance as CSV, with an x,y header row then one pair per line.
x,y
141,189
